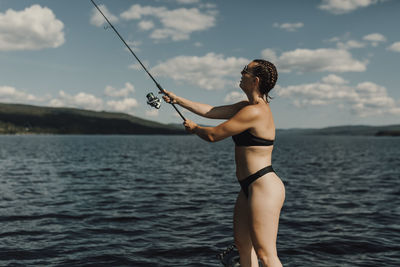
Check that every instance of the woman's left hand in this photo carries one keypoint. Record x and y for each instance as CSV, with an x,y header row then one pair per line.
x,y
190,126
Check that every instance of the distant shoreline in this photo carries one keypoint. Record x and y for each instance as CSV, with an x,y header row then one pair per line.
x,y
350,130
27,119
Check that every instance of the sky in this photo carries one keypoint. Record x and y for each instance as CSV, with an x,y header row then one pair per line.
x,y
338,60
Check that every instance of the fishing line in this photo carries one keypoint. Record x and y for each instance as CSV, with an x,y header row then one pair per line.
x,y
152,100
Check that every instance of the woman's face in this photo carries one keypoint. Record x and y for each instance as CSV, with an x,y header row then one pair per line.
x,y
248,78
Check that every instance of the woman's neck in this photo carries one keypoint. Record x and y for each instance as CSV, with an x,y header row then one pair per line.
x,y
254,97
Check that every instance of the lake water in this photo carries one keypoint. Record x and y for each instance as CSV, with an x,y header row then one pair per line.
x,y
168,200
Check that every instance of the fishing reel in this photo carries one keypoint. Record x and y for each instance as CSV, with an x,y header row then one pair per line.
x,y
153,101
230,257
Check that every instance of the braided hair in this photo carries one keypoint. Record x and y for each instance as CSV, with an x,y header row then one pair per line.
x,y
268,75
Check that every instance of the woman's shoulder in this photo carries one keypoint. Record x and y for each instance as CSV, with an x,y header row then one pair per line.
x,y
255,109
251,112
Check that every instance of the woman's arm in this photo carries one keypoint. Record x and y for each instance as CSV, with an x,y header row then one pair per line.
x,y
241,121
205,110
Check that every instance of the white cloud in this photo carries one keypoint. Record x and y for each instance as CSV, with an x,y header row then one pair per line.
x,y
350,44
395,47
270,55
146,25
375,38
212,8
123,92
187,1
234,97
290,27
373,99
137,66
210,72
124,105
168,32
12,95
134,45
364,99
98,20
186,21
177,24
317,60
344,42
33,28
334,79
137,11
152,112
338,7
80,100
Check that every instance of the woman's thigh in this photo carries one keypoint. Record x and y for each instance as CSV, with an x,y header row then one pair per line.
x,y
266,198
241,222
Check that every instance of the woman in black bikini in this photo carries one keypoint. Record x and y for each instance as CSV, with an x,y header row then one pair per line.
x,y
251,125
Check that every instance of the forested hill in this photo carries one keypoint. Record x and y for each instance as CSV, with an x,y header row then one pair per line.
x,y
19,119
388,130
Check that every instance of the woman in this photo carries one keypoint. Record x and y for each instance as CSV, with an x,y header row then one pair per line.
x,y
251,125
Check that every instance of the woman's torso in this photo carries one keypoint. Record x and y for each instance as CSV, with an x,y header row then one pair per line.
x,y
251,158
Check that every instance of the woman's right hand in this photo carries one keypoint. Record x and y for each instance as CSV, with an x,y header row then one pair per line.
x,y
169,97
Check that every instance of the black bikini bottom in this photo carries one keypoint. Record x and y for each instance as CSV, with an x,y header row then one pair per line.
x,y
245,183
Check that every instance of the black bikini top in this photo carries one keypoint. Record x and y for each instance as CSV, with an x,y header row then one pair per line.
x,y
247,139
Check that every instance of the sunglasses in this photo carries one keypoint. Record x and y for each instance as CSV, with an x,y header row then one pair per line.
x,y
246,70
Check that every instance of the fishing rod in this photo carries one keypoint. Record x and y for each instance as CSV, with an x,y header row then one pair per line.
x,y
152,100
